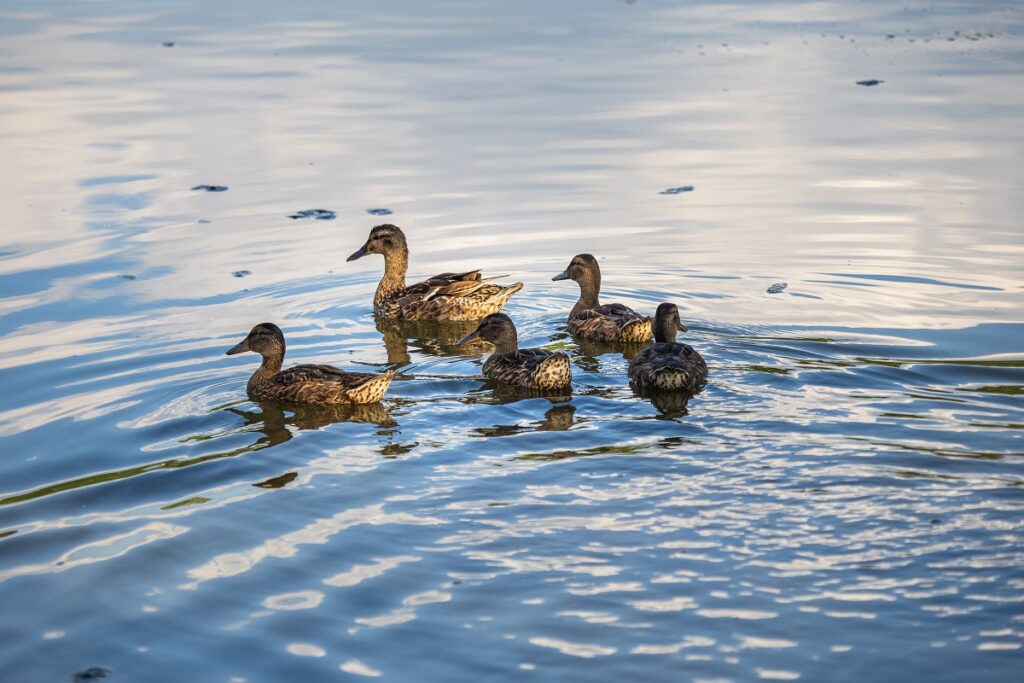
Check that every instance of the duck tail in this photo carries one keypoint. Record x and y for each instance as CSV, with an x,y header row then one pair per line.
x,y
373,389
636,331
554,372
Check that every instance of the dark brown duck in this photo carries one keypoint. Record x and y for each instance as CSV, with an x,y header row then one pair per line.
x,y
448,296
529,368
592,320
304,383
666,365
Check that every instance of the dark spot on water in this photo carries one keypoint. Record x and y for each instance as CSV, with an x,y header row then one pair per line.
x,y
278,482
242,273
870,82
677,190
395,449
936,521
778,287
91,674
379,212
203,220
318,214
168,43
128,277
211,188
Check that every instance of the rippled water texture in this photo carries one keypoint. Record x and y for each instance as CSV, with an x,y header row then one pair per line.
x,y
843,502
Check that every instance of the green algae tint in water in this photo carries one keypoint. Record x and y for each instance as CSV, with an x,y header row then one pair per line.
x,y
842,503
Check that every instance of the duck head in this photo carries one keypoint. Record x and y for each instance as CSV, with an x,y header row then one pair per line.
x,y
384,239
497,329
667,323
265,339
583,268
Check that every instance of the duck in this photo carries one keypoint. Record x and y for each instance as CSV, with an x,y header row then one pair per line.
x,y
590,319
304,383
666,365
528,368
448,296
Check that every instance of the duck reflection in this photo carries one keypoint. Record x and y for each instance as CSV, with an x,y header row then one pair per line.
x,y
669,403
432,337
558,418
278,420
589,351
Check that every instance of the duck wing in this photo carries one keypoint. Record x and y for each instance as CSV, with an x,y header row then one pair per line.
x,y
454,296
322,384
611,322
533,368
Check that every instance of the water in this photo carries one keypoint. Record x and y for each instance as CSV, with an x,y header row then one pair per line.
x,y
843,502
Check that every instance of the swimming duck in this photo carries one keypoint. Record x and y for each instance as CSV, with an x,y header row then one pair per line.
x,y
304,383
666,365
589,319
448,296
529,368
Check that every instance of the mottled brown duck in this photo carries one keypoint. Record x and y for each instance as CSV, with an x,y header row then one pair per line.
x,y
448,296
666,365
592,320
528,368
304,383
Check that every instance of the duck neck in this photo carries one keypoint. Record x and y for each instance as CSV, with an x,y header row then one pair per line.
x,y
270,366
396,262
590,288
664,331
507,342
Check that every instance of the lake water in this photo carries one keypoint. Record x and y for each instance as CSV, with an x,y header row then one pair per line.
x,y
843,502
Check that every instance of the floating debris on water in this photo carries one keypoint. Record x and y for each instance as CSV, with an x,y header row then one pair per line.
x,y
242,273
379,212
870,82
777,287
677,190
203,220
318,214
168,43
90,674
128,277
211,188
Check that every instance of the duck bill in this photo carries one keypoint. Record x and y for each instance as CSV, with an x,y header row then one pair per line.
x,y
564,275
472,336
359,254
240,347
681,327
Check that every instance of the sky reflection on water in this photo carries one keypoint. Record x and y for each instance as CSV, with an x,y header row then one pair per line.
x,y
842,502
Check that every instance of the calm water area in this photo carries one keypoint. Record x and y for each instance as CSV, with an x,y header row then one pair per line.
x,y
843,502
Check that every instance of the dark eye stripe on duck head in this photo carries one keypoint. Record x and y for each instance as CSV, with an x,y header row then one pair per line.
x,y
264,339
382,239
582,267
497,329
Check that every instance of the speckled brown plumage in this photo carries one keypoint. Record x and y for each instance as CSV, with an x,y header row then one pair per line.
x,y
448,296
666,365
592,320
528,368
304,383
